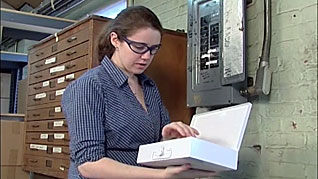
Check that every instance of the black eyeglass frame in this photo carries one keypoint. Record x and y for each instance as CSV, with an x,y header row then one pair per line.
x,y
151,48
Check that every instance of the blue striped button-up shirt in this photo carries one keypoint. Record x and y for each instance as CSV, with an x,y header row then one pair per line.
x,y
105,119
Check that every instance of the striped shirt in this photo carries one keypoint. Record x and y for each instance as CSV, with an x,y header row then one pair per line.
x,y
105,119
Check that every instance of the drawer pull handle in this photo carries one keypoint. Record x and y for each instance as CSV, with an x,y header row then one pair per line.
x,y
37,99
37,87
70,66
66,153
70,53
33,161
69,79
35,126
38,54
72,39
38,76
63,166
38,66
35,138
35,115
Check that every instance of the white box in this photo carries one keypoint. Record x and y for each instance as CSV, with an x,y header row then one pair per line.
x,y
215,149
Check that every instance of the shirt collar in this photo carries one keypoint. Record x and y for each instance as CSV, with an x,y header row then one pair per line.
x,y
119,76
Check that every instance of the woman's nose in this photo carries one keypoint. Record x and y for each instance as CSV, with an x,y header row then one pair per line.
x,y
146,55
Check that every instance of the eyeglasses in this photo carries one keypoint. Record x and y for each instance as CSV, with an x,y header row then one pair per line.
x,y
141,48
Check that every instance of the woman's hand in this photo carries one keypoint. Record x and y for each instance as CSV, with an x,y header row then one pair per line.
x,y
185,171
178,130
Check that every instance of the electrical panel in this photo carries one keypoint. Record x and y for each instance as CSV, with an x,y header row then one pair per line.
x,y
216,70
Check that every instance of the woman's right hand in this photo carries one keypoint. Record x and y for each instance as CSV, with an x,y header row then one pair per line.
x,y
185,171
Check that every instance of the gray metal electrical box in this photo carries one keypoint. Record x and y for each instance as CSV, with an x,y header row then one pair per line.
x,y
216,70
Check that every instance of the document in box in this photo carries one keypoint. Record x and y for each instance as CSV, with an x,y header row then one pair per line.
x,y
215,148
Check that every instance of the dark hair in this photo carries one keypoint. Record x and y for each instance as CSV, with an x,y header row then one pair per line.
x,y
125,24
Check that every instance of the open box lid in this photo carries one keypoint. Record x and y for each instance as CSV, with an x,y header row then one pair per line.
x,y
224,126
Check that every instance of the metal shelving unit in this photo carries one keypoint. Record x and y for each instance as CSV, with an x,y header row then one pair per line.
x,y
17,25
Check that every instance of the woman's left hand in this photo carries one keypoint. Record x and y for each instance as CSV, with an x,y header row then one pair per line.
x,y
178,130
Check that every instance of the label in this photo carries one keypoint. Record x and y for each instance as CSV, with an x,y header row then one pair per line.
x,y
59,92
70,76
57,109
44,136
58,123
61,80
57,149
38,147
50,60
58,136
41,95
46,83
211,62
57,69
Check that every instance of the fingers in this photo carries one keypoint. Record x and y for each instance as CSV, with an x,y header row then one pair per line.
x,y
178,129
179,169
201,173
184,130
185,171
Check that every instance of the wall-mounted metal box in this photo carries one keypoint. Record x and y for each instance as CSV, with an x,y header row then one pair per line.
x,y
216,69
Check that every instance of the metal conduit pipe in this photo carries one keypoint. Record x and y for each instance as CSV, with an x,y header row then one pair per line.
x,y
263,74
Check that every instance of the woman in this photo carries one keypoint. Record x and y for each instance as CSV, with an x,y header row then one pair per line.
x,y
114,108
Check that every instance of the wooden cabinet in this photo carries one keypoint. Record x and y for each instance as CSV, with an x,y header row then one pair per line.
x,y
53,64
60,59
168,70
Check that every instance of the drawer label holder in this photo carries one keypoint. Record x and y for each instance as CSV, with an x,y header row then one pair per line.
x,y
41,95
38,147
50,60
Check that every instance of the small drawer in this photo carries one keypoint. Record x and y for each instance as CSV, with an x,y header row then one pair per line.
x,y
48,150
47,125
54,84
52,112
46,97
63,44
57,138
43,53
73,39
62,57
47,166
60,70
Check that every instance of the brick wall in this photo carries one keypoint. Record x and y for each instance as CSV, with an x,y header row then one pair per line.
x,y
284,124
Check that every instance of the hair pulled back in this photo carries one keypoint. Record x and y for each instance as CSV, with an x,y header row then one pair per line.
x,y
125,24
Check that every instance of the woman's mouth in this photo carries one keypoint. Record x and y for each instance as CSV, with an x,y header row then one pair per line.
x,y
141,65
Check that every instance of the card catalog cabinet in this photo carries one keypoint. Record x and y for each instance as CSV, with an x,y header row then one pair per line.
x,y
53,64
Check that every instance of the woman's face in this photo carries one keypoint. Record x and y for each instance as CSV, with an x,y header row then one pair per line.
x,y
134,53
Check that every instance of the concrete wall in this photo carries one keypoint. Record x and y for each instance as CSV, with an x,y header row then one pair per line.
x,y
283,124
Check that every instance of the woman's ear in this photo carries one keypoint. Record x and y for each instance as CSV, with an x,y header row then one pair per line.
x,y
114,39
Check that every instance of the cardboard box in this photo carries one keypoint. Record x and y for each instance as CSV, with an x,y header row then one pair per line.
x,y
12,141
13,172
215,149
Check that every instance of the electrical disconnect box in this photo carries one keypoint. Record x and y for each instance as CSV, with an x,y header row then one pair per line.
x,y
216,70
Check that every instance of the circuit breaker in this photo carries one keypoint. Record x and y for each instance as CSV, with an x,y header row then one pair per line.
x,y
216,70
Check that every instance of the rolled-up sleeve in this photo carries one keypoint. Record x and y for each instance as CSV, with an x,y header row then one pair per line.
x,y
83,104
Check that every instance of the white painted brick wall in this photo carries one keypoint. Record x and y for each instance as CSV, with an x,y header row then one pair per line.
x,y
288,151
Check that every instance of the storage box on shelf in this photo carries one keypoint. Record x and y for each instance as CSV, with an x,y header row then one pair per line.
x,y
53,64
